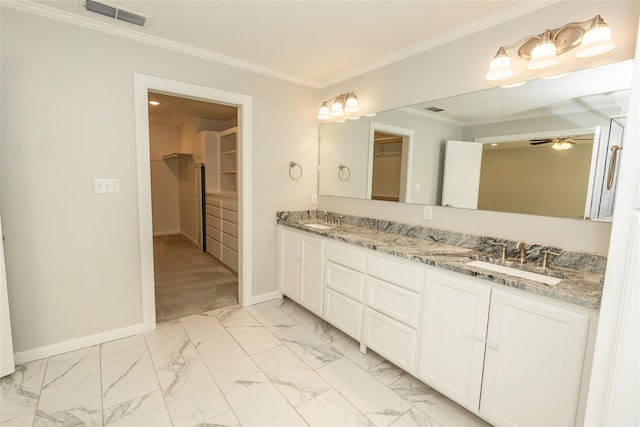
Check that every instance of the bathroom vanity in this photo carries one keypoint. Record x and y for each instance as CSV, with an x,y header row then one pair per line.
x,y
513,350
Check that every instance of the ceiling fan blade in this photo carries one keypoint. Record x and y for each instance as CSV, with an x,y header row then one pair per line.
x,y
538,142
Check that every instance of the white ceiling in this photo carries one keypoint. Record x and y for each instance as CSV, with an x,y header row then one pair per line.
x,y
312,42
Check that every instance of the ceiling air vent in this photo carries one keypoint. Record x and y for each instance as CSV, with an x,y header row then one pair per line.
x,y
115,13
434,109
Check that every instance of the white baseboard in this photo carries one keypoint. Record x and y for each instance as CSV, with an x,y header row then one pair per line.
x,y
265,297
76,344
166,233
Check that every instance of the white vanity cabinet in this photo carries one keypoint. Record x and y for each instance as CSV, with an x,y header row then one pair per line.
x,y
392,309
344,288
533,362
511,358
300,268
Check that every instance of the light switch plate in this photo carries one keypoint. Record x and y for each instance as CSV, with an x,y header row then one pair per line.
x,y
314,199
107,185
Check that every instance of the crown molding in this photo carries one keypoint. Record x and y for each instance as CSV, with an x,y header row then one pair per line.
x,y
93,24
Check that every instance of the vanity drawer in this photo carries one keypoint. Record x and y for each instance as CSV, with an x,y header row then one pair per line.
x,y
396,302
391,339
398,273
344,256
343,313
344,280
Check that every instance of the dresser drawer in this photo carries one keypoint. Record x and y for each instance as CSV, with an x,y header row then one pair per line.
x,y
398,273
344,256
230,257
230,241
212,201
344,280
231,205
214,248
391,339
214,211
230,228
230,216
396,302
343,313
214,222
214,234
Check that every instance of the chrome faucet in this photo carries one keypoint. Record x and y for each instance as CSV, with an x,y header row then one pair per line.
x,y
523,252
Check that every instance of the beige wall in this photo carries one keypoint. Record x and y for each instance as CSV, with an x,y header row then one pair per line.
x,y
459,67
73,256
536,180
163,140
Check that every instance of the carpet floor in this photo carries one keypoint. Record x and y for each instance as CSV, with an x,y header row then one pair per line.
x,y
188,281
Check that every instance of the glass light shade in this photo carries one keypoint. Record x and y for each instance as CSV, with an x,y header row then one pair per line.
x,y
336,109
500,67
324,114
561,145
351,105
596,41
543,56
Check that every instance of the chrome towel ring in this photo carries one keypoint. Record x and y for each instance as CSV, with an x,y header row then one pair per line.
x,y
292,166
341,169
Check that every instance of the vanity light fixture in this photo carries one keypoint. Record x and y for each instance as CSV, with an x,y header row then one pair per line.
x,y
341,104
593,36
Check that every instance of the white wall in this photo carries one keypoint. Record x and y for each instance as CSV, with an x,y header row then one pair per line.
x,y
459,67
163,140
73,257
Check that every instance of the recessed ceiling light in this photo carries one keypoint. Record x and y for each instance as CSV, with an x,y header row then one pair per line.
x,y
154,103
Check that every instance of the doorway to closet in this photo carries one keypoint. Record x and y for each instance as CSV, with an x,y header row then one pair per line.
x,y
193,149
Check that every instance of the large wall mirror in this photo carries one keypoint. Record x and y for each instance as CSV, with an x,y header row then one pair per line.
x,y
549,147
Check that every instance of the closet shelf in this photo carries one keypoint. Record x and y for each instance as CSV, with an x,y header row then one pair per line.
x,y
177,156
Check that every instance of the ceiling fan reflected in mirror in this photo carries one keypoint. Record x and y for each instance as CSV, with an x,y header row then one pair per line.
x,y
561,143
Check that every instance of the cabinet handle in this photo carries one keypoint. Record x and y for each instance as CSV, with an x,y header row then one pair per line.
x,y
479,339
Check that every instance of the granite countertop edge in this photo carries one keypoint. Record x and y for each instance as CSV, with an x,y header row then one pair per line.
x,y
577,287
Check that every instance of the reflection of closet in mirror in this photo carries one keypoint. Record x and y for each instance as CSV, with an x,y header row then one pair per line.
x,y
389,148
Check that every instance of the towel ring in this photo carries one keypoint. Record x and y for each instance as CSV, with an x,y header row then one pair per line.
x,y
292,166
340,169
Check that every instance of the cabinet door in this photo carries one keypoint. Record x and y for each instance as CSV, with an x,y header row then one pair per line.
x,y
533,362
391,339
289,264
311,274
454,324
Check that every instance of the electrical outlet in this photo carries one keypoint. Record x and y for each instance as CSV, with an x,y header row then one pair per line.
x,y
428,213
314,199
104,185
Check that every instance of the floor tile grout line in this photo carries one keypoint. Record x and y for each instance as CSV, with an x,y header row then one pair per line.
x,y
155,373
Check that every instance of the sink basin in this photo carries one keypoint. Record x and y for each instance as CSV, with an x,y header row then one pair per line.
x,y
319,226
548,280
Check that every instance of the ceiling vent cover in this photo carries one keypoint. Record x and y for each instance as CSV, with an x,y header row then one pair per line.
x,y
115,13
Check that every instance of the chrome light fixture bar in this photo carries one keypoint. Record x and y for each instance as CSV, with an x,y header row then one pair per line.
x,y
341,104
593,37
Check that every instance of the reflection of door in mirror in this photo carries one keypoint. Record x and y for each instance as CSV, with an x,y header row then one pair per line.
x,y
606,171
461,180
389,174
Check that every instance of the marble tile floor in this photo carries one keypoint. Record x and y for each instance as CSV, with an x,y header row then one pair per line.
x,y
188,281
272,364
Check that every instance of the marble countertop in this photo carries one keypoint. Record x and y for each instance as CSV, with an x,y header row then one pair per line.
x,y
577,286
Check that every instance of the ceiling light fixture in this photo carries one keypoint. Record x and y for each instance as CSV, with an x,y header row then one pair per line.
x,y
593,37
341,104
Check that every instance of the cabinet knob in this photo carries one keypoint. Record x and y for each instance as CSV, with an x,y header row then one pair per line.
x,y
492,344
